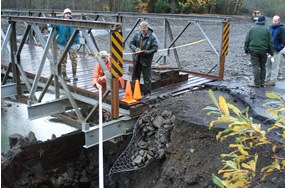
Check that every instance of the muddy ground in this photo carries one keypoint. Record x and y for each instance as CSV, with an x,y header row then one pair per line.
x,y
192,153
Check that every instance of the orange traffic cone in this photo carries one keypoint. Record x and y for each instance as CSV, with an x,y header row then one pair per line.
x,y
137,91
128,94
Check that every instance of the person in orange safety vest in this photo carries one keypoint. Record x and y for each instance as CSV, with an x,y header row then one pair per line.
x,y
99,78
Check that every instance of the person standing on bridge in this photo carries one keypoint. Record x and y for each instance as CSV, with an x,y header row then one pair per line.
x,y
258,43
144,45
272,67
64,33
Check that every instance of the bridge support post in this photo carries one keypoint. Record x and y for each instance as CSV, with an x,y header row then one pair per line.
x,y
116,69
224,48
115,97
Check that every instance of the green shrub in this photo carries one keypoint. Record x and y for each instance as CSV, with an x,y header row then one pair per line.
x,y
240,165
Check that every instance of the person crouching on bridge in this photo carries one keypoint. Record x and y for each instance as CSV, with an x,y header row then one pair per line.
x,y
64,33
144,45
99,78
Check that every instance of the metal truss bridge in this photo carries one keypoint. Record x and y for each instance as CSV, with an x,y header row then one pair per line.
x,y
30,59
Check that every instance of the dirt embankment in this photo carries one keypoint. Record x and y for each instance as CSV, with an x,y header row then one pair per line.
x,y
193,153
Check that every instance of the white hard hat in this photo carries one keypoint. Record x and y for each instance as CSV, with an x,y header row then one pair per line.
x,y
104,53
67,10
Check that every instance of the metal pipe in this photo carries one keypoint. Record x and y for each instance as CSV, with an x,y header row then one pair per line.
x,y
101,161
60,21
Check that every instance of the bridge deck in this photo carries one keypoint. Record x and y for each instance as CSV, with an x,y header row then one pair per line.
x,y
31,57
30,60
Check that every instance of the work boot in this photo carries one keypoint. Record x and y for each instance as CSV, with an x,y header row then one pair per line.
x,y
253,85
75,77
147,96
269,84
65,77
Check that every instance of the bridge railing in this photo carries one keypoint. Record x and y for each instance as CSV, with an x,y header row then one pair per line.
x,y
176,34
32,24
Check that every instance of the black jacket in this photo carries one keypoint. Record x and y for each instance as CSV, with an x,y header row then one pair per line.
x,y
280,36
149,43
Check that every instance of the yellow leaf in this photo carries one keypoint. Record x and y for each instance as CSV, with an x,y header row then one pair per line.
x,y
231,164
220,120
283,164
274,148
273,127
242,151
233,145
227,175
246,166
254,162
213,123
241,158
250,144
256,127
240,128
236,123
235,109
263,141
223,106
276,165
218,136
223,171
273,96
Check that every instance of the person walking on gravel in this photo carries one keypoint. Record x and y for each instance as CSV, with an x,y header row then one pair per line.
x,y
258,44
272,67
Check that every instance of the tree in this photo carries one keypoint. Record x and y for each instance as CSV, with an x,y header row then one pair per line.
x,y
197,6
143,6
238,6
173,6
162,6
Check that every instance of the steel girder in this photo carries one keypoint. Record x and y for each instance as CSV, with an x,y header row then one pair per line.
x,y
112,129
10,90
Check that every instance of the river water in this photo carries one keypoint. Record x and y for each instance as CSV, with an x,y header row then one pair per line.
x,y
14,120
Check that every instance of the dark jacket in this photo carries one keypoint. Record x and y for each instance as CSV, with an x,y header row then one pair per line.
x,y
149,43
259,40
64,32
278,34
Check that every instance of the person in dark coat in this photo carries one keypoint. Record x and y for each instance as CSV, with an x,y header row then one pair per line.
x,y
144,45
258,44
